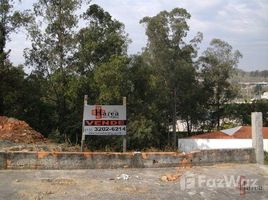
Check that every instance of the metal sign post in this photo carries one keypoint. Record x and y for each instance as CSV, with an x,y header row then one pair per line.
x,y
104,120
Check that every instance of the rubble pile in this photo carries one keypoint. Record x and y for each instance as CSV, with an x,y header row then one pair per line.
x,y
170,177
18,131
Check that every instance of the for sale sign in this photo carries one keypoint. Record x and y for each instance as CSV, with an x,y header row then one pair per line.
x,y
104,120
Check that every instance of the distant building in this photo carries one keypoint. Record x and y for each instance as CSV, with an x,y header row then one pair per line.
x,y
264,95
249,93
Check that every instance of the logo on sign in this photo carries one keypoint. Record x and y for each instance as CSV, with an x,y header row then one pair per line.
x,y
100,113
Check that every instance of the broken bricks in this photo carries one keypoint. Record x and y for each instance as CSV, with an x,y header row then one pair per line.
x,y
170,177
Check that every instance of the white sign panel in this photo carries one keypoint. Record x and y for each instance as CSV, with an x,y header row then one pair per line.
x,y
104,120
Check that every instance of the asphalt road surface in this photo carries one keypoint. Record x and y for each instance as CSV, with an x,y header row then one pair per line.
x,y
219,182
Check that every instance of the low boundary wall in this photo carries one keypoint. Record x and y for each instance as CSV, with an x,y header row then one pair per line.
x,y
102,160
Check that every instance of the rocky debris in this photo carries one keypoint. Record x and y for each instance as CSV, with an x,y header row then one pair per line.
x,y
185,163
123,177
170,177
176,175
18,131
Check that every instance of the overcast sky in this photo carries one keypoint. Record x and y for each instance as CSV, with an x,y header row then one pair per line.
x,y
242,23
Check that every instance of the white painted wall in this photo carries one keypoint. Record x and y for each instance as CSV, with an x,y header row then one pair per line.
x,y
265,145
187,145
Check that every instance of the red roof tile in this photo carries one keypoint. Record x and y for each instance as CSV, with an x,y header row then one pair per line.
x,y
212,135
243,133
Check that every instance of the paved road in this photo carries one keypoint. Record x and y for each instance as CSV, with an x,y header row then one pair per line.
x,y
219,182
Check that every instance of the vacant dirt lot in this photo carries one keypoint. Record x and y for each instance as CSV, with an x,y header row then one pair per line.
x,y
226,181
17,135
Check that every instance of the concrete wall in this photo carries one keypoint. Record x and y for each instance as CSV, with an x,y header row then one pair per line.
x,y
188,145
265,145
87,160
2,160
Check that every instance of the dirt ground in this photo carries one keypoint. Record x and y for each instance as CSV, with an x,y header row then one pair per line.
x,y
48,146
17,135
219,182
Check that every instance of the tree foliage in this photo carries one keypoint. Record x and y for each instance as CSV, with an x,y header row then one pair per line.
x,y
166,82
101,39
171,58
217,64
10,21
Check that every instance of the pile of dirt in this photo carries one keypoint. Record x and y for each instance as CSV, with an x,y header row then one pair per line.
x,y
18,131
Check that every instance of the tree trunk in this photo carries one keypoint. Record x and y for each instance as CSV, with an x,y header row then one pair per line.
x,y
189,127
174,142
1,104
218,117
3,35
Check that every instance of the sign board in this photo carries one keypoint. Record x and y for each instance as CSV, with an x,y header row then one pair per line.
x,y
104,120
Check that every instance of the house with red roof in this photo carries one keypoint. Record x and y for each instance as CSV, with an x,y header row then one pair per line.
x,y
237,137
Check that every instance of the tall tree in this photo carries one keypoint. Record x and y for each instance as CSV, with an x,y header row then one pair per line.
x,y
10,21
102,48
171,57
102,38
101,60
217,65
53,46
147,113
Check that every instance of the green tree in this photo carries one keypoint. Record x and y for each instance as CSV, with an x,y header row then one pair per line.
x,y
111,78
242,112
74,62
10,21
147,123
30,103
101,39
172,59
217,65
102,62
12,86
53,46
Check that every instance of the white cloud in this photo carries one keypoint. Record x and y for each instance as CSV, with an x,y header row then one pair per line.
x,y
241,19
242,23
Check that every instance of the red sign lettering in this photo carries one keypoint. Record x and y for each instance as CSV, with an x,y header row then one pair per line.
x,y
105,122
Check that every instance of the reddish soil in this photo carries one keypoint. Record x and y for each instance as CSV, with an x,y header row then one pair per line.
x,y
18,131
